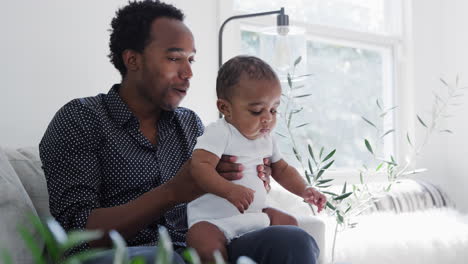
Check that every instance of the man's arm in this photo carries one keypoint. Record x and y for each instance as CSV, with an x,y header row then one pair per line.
x,y
203,168
132,217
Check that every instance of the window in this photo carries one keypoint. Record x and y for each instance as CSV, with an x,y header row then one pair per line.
x,y
351,53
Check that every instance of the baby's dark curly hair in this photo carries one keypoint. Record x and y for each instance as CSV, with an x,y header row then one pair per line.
x,y
131,26
230,73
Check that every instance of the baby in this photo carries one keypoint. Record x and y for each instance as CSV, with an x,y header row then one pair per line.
x,y
249,94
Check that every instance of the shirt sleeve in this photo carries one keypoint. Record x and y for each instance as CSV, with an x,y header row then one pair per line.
x,y
276,156
215,138
69,157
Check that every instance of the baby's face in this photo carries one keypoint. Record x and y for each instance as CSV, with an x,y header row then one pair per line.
x,y
254,104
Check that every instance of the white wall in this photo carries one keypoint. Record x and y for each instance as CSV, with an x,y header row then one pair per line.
x,y
440,41
53,51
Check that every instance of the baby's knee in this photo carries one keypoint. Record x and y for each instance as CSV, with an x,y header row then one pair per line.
x,y
290,220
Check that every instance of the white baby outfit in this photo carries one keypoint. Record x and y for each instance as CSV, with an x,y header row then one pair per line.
x,y
221,138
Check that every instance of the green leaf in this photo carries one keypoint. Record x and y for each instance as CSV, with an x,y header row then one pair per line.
x,y
298,87
6,257
310,167
421,121
305,75
444,82
342,196
324,181
312,154
138,260
339,218
328,165
388,132
32,245
378,104
447,131
388,111
369,122
347,210
297,110
379,167
321,152
191,256
79,237
409,140
307,177
120,247
289,80
361,178
218,257
296,153
279,134
165,249
57,231
388,187
344,188
329,155
302,95
50,243
329,205
368,146
301,125
297,61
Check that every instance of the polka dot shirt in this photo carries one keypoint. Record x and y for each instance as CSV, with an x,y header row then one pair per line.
x,y
94,156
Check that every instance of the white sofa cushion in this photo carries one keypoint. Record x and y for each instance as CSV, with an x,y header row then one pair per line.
x,y
15,205
28,167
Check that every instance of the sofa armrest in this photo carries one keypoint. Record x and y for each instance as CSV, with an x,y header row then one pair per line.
x,y
315,227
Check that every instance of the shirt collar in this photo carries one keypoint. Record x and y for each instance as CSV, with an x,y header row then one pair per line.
x,y
120,112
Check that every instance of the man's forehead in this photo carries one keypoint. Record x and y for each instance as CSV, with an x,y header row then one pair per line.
x,y
170,32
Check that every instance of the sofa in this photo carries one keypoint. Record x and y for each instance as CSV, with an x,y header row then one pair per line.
x,y
23,190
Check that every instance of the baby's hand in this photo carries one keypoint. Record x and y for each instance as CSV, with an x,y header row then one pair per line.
x,y
312,196
241,197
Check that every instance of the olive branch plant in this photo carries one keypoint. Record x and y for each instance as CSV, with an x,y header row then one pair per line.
x,y
351,203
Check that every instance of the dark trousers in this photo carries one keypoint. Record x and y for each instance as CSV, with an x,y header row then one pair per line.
x,y
271,245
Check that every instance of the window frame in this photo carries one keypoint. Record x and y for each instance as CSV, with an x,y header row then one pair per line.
x,y
400,47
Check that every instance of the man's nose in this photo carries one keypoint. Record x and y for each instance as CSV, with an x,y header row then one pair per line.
x,y
186,71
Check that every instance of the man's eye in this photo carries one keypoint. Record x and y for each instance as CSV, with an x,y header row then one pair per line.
x,y
172,59
255,113
191,61
274,111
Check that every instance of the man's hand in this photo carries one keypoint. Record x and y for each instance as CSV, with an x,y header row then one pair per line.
x,y
312,196
241,197
264,173
228,169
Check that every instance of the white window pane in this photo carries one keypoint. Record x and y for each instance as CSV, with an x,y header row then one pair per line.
x,y
374,16
346,83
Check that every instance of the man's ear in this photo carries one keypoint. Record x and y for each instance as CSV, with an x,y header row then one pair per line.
x,y
131,59
224,106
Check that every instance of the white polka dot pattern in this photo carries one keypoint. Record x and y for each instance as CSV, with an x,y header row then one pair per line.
x,y
94,156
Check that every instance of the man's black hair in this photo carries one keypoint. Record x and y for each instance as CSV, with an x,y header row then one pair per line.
x,y
230,73
131,26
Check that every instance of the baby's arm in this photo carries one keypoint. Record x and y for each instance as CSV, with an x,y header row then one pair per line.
x,y
292,181
203,167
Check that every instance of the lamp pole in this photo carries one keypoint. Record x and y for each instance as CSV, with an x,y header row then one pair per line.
x,y
281,20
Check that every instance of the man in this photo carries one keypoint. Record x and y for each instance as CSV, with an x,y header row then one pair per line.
x,y
119,160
